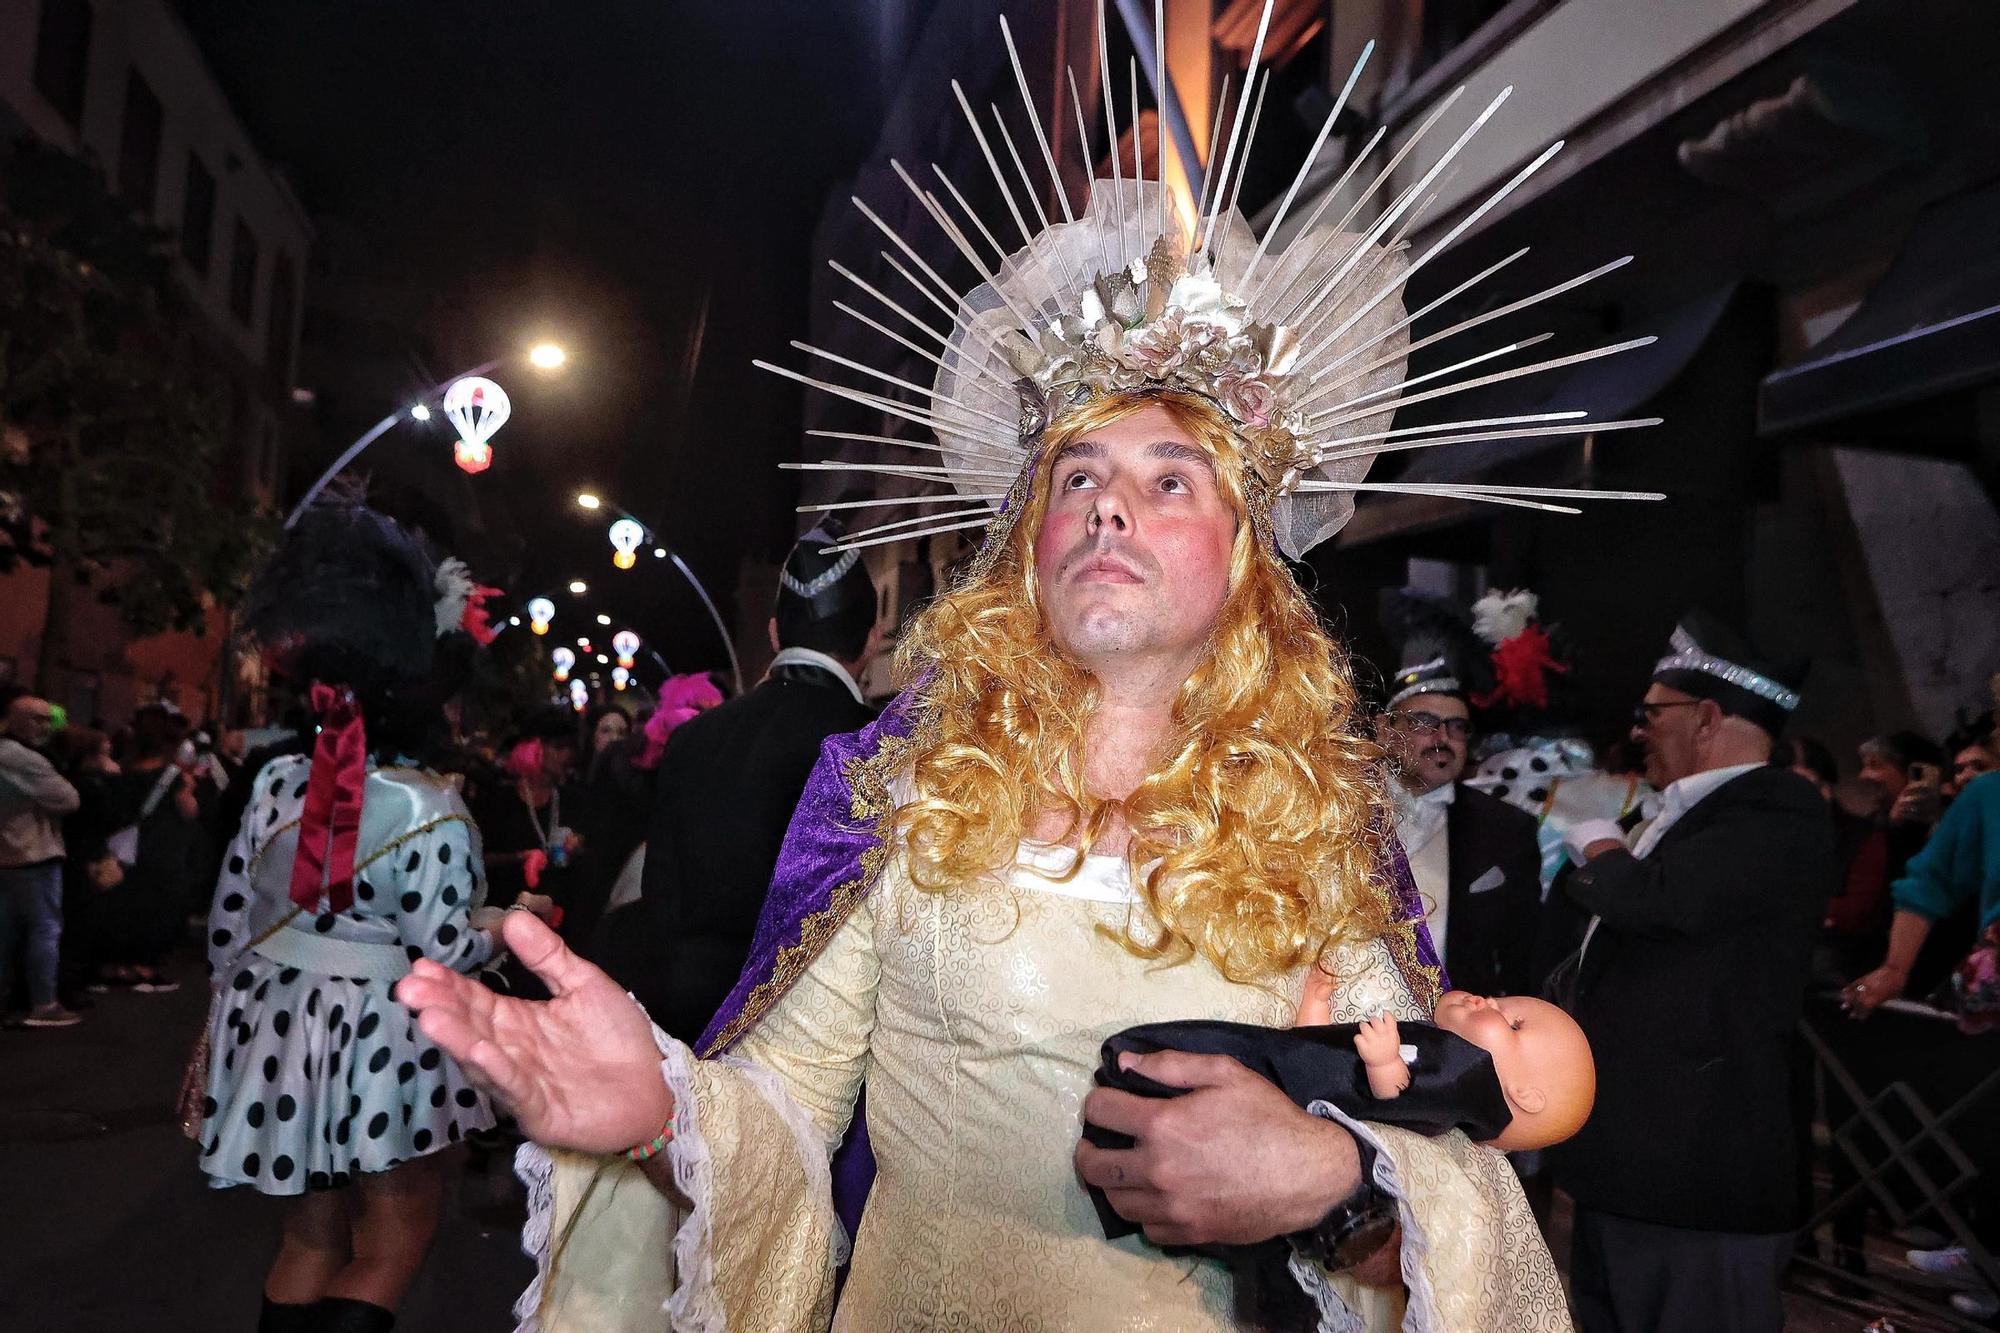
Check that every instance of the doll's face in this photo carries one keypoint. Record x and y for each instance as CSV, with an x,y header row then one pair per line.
x,y
1541,1056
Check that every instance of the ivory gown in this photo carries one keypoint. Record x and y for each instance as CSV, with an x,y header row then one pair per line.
x,y
973,1021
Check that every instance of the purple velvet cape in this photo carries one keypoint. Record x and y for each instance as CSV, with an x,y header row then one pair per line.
x,y
827,865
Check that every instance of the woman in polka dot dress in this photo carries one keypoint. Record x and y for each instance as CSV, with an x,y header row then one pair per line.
x,y
316,1075
347,865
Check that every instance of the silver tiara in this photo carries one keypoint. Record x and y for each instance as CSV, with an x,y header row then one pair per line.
x,y
1303,346
1689,656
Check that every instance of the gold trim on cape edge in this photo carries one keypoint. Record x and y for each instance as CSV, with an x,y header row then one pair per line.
x,y
868,779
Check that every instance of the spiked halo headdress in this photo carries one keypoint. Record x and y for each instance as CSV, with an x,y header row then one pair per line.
x,y
1304,347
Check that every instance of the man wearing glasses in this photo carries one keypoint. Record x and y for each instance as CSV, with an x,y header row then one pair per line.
x,y
1690,985
1474,856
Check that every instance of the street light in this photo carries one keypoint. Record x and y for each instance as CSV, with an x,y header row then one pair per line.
x,y
603,619
544,357
587,500
629,539
478,408
626,534
579,587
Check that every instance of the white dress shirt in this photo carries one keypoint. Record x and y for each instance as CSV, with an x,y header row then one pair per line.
x,y
1420,827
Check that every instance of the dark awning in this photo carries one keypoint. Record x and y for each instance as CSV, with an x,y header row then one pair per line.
x,y
1930,327
1608,388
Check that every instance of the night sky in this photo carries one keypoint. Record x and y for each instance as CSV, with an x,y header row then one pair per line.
x,y
639,180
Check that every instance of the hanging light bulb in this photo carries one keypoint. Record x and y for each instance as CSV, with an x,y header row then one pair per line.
x,y
619,677
579,695
626,534
626,644
478,408
564,660
540,612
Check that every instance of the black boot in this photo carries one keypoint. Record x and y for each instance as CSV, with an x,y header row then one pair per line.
x,y
276,1317
337,1314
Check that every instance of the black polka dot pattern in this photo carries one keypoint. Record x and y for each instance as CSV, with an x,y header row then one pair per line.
x,y
319,1078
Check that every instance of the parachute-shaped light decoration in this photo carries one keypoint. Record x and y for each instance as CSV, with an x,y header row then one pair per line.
x,y
478,408
579,695
626,534
619,677
540,612
564,660
626,644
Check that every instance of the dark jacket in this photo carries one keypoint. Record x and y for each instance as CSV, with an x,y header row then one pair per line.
x,y
1691,993
726,787
1496,895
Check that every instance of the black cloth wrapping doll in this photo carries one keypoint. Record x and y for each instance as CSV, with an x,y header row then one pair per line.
x,y
1452,1082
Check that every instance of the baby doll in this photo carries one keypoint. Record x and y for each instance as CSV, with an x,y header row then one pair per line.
x,y
1540,1057
1513,1072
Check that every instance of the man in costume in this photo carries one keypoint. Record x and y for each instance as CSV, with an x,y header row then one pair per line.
x,y
729,780
1690,985
1473,856
1125,781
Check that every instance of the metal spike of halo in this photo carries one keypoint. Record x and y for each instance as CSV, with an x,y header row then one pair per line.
x,y
1303,347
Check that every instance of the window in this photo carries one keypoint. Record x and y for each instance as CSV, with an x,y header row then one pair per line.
x,y
139,146
198,216
284,314
243,274
62,56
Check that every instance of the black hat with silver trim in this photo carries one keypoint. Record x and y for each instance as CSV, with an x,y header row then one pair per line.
x,y
818,583
1709,660
1438,650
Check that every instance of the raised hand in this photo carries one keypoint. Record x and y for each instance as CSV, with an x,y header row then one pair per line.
x,y
578,1071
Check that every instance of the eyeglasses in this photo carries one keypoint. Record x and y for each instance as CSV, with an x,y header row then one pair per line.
x,y
1645,715
1412,724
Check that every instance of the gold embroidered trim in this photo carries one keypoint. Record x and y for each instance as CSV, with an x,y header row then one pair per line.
x,y
868,777
1426,983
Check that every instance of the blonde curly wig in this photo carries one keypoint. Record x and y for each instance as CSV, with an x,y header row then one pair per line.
x,y
1264,812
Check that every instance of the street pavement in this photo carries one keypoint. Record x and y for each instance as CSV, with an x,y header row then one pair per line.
x,y
107,1227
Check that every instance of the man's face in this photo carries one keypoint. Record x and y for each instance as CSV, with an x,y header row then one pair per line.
x,y
28,721
1969,763
1884,776
1668,724
1427,734
1133,552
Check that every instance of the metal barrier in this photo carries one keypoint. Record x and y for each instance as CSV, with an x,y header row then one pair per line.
x,y
1890,1165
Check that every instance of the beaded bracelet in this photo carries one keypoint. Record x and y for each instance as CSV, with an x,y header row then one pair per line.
x,y
653,1147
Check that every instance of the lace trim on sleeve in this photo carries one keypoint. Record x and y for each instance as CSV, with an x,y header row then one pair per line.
x,y
536,1170
1423,1313
695,1306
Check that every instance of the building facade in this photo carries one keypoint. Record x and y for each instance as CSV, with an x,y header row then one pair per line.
x,y
122,84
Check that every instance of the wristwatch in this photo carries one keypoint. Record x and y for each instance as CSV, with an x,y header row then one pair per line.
x,y
1354,1228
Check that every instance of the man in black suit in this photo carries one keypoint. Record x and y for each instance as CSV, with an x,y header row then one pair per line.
x,y
1474,856
728,783
1690,985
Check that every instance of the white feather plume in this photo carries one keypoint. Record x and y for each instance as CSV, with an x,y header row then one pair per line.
x,y
454,586
1499,616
